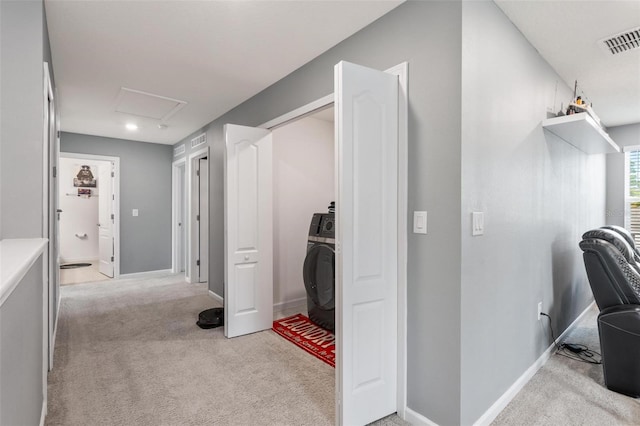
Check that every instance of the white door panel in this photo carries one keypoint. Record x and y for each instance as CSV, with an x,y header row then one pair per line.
x,y
248,295
105,230
203,235
366,266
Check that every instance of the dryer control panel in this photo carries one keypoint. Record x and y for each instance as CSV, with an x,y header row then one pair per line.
x,y
323,225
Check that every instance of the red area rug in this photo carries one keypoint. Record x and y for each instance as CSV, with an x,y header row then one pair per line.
x,y
314,339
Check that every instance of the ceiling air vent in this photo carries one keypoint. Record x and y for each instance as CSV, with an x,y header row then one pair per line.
x,y
178,150
199,140
623,42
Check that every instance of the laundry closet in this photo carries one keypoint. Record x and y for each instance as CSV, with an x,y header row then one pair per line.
x,y
303,184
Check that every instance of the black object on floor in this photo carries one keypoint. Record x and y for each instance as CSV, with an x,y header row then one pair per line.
x,y
211,318
74,265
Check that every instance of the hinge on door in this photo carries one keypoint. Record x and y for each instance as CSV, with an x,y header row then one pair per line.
x,y
55,171
113,174
198,262
113,217
58,134
113,196
197,172
197,217
112,258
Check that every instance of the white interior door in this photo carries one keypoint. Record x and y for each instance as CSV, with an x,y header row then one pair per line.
x,y
181,219
367,238
248,291
203,221
105,220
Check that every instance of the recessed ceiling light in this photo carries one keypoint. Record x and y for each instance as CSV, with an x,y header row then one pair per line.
x,y
131,126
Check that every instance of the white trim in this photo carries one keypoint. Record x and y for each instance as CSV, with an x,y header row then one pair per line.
x,y
402,71
417,419
47,206
191,225
116,208
517,386
285,306
629,148
299,112
175,205
43,411
78,260
147,274
216,297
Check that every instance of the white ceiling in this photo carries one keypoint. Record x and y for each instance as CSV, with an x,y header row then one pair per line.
x,y
567,33
213,55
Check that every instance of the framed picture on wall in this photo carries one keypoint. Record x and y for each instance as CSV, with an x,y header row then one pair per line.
x,y
84,178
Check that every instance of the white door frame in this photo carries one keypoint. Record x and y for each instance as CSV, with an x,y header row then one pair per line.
x,y
192,228
48,278
116,202
177,195
401,70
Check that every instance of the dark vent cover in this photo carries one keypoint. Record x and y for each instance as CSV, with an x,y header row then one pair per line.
x,y
623,42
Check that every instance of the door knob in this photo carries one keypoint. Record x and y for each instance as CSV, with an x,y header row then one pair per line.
x,y
59,211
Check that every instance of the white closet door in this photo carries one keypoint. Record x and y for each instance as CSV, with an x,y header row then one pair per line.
x,y
366,260
203,222
248,292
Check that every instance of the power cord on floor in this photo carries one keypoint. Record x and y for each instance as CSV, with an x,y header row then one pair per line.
x,y
575,351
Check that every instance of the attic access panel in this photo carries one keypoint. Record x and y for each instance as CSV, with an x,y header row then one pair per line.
x,y
147,105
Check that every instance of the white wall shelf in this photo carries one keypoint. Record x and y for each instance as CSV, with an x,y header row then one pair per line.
x,y
581,131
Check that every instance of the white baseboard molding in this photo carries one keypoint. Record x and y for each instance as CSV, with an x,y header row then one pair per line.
x,y
43,412
146,274
417,419
216,297
285,306
78,260
517,386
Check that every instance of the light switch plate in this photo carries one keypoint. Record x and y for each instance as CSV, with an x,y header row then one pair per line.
x,y
134,212
419,222
477,223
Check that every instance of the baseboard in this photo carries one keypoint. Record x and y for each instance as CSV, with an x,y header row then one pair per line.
x,y
517,386
146,274
285,306
43,412
78,260
417,419
216,297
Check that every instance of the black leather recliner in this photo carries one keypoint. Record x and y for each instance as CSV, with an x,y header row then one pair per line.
x,y
614,276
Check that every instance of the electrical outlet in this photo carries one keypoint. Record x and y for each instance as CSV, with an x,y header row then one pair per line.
x,y
539,310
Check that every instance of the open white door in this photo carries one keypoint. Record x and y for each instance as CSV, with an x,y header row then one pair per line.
x,y
203,220
105,220
366,103
248,289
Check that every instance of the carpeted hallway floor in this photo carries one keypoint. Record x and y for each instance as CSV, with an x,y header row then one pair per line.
x,y
568,392
129,353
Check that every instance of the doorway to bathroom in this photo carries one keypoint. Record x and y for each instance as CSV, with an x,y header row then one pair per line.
x,y
88,222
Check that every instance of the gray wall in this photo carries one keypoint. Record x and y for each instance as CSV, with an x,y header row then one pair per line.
x,y
628,135
145,184
21,127
21,352
428,36
538,194
23,45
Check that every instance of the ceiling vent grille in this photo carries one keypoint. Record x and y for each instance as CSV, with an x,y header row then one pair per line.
x,y
623,42
178,150
199,140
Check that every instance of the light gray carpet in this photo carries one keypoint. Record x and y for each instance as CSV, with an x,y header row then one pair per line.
x,y
129,353
567,392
